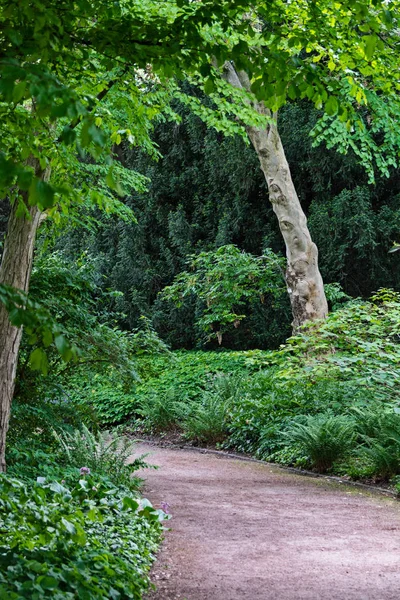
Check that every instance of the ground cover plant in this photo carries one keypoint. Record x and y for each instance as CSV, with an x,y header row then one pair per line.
x,y
327,400
166,379
72,518
80,538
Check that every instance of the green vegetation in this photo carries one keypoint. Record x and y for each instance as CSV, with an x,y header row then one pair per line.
x,y
327,400
72,519
224,282
77,539
164,378
143,282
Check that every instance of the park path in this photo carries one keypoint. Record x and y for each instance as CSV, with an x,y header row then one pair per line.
x,y
248,531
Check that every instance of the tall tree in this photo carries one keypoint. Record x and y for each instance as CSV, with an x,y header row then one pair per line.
x,y
58,62
339,55
303,279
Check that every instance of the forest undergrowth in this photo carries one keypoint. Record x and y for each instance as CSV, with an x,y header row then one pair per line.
x,y
327,400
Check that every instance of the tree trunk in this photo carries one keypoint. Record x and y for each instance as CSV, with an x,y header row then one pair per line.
x,y
303,279
15,271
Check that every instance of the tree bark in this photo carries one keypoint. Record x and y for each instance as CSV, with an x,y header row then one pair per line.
x,y
303,279
15,271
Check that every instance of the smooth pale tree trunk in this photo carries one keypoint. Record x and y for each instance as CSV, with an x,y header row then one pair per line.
x,y
15,271
303,279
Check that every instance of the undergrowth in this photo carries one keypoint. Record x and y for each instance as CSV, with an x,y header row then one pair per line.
x,y
73,523
327,400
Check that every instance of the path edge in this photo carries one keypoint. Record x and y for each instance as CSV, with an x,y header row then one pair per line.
x,y
293,470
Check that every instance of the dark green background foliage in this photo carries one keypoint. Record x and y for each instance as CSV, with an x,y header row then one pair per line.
x,y
207,191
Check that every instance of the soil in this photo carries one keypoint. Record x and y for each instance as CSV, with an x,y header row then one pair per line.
x,y
248,531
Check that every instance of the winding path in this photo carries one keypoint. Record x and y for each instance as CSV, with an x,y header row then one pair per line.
x,y
248,531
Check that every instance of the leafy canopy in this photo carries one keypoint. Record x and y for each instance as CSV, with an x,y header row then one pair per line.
x,y
59,60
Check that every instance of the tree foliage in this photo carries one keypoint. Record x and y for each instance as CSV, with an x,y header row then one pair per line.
x,y
226,282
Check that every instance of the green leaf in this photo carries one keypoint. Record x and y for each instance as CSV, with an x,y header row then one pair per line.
x,y
331,106
370,42
38,361
19,91
47,338
129,503
41,194
61,344
70,527
209,86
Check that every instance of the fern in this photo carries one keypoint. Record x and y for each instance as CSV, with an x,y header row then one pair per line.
x,y
163,412
323,438
379,432
101,453
207,421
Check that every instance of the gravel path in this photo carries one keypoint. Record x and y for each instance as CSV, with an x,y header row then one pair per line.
x,y
247,531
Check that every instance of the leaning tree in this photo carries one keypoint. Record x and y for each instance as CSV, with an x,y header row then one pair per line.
x,y
342,57
59,61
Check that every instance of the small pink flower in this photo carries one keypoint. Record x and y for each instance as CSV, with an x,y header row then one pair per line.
x,y
85,471
165,507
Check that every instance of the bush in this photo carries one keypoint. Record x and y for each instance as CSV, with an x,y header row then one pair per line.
x,y
384,458
33,420
323,439
266,403
357,345
207,420
32,447
103,453
379,431
163,413
87,541
183,375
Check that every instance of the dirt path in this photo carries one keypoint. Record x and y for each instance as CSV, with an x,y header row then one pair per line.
x,y
246,531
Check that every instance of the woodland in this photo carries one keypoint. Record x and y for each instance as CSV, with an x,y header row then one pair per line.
x,y
199,235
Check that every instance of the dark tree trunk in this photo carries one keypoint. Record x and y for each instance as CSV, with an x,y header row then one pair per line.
x,y
15,271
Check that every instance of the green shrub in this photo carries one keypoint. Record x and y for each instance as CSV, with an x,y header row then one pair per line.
x,y
31,445
87,541
184,375
207,421
111,399
163,413
266,403
377,421
384,458
192,371
323,438
34,419
357,345
103,453
379,430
